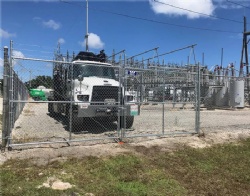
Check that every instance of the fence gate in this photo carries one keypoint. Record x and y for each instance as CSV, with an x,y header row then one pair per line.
x,y
39,123
167,97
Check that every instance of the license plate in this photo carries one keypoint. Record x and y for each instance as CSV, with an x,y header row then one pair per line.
x,y
109,101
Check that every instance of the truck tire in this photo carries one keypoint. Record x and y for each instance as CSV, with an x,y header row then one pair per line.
x,y
50,109
74,122
129,121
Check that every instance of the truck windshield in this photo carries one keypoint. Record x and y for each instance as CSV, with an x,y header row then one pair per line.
x,y
88,70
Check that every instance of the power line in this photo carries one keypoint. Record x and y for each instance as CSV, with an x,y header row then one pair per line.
x,y
154,21
211,16
159,22
173,51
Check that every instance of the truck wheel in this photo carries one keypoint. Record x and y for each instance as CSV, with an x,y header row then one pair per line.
x,y
129,121
75,122
50,109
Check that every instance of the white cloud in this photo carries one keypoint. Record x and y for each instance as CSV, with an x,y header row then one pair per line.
x,y
17,53
237,36
49,24
61,41
49,65
1,62
94,42
234,4
183,7
36,18
52,24
6,34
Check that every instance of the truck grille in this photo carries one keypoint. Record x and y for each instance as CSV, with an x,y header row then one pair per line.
x,y
100,93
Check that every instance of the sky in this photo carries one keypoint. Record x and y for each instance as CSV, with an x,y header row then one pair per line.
x,y
215,26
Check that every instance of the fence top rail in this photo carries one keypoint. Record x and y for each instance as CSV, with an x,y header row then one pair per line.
x,y
169,68
54,61
157,68
44,60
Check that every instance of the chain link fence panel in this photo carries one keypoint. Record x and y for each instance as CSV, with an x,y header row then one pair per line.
x,y
71,102
225,104
57,110
60,101
166,96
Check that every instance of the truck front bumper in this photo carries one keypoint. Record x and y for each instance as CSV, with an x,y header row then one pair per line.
x,y
102,110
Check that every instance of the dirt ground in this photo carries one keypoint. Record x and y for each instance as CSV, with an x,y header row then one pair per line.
x,y
45,155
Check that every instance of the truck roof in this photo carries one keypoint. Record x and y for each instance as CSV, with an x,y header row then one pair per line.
x,y
91,62
90,56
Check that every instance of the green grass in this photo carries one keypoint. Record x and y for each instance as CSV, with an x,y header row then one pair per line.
x,y
219,170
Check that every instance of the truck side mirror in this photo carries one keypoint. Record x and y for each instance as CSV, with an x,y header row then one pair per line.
x,y
80,78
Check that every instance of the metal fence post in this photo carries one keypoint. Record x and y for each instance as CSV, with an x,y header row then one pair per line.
x,y
122,89
197,101
6,120
119,100
11,95
123,102
163,105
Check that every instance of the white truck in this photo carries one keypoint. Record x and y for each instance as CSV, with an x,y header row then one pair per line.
x,y
88,88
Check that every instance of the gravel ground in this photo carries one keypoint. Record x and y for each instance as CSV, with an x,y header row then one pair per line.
x,y
36,125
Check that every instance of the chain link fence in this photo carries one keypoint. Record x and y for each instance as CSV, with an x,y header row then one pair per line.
x,y
66,100
73,103
226,104
166,96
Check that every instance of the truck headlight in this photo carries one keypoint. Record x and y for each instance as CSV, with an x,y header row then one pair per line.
x,y
83,97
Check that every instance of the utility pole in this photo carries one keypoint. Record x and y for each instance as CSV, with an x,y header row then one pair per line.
x,y
87,33
245,52
244,47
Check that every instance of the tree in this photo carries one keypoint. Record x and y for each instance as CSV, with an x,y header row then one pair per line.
x,y
45,81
